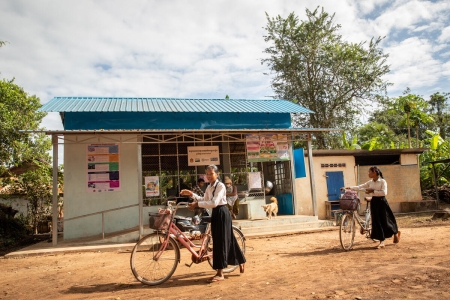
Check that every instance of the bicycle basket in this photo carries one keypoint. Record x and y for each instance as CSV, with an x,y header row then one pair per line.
x,y
160,220
349,201
348,204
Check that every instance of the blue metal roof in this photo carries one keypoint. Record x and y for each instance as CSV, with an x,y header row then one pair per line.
x,y
116,104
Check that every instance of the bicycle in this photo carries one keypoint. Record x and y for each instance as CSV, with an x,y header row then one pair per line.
x,y
156,256
348,225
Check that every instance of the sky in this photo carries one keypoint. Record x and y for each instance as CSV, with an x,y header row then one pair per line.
x,y
200,48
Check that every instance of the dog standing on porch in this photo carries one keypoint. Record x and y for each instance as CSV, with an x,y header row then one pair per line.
x,y
271,208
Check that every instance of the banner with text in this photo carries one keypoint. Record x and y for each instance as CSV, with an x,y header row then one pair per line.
x,y
203,155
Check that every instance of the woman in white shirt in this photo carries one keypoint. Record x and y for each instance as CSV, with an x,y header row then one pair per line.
x,y
383,220
226,248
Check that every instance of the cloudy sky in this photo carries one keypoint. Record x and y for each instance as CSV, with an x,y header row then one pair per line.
x,y
199,49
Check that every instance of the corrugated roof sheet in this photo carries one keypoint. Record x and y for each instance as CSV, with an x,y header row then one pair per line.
x,y
111,104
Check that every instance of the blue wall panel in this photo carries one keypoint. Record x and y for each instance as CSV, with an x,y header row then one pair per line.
x,y
285,204
299,163
169,120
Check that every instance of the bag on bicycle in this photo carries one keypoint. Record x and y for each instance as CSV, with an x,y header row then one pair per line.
x,y
161,220
349,201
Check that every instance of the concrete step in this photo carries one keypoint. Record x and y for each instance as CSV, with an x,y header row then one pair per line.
x,y
278,225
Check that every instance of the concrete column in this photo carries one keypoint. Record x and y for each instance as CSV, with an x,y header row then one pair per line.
x,y
139,179
311,177
55,191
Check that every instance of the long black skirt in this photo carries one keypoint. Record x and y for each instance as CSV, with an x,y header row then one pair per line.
x,y
383,221
226,250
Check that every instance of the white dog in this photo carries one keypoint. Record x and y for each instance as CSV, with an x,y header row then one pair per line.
x,y
271,208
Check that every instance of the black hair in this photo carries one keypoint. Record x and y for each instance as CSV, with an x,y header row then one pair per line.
x,y
376,170
214,168
200,180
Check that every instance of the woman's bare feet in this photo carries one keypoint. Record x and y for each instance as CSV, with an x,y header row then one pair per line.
x,y
241,268
397,237
381,245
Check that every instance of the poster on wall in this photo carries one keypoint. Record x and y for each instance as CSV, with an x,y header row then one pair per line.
x,y
151,186
254,180
203,155
102,162
267,147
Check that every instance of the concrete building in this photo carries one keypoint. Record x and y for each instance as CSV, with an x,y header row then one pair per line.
x,y
124,156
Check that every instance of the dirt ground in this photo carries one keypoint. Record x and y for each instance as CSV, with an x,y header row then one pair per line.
x,y
300,266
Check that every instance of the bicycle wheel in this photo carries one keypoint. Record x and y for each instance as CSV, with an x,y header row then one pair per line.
x,y
241,242
146,267
347,231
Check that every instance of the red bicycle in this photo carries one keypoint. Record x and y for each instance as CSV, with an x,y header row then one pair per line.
x,y
156,256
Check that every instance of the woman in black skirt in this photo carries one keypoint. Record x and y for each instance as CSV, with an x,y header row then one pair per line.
x,y
226,248
383,220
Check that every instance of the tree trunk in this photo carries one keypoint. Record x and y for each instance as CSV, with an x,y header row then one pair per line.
x,y
409,130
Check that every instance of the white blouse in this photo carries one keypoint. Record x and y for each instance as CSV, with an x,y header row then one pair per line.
x,y
379,187
210,201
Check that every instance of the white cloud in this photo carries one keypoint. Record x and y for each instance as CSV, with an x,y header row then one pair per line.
x,y
412,64
445,35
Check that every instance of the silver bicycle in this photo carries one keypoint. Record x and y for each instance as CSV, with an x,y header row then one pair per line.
x,y
348,225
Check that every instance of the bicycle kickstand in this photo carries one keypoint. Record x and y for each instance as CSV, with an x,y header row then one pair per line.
x,y
189,265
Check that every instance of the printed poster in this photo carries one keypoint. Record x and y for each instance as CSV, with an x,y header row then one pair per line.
x,y
102,162
203,155
151,186
254,180
267,147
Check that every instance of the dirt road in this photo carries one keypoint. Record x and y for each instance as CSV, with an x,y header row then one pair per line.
x,y
302,266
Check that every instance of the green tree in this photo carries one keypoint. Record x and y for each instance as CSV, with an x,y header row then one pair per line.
x,y
36,186
412,109
18,112
438,107
378,136
314,67
438,150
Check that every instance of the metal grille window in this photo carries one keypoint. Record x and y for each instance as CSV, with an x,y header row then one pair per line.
x,y
166,157
282,174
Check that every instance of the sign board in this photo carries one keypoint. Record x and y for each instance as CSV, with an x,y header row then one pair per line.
x,y
203,155
267,147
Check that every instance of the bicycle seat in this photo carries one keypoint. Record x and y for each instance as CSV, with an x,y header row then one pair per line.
x,y
368,199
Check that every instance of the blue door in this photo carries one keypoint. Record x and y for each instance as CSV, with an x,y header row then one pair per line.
x,y
335,180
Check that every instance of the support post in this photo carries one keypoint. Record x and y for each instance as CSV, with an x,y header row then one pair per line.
x,y
55,191
140,199
293,177
311,177
435,177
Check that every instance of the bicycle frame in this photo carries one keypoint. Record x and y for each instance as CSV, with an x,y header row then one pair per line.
x,y
175,232
363,223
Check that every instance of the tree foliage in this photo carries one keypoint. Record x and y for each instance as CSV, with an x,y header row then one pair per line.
x,y
439,109
313,66
18,111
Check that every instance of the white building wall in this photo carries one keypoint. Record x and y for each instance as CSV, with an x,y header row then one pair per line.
x,y
17,203
303,187
78,202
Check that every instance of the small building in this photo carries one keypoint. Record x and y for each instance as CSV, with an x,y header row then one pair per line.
x,y
334,169
124,156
